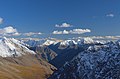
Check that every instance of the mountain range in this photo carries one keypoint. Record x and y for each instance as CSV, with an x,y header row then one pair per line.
x,y
81,58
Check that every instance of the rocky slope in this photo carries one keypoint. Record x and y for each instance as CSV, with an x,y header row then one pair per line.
x,y
68,49
44,52
95,62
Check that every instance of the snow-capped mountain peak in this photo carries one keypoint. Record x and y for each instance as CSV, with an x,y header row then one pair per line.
x,y
85,41
49,42
11,47
68,42
77,42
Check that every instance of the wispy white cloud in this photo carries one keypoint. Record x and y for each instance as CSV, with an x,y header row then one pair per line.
x,y
57,32
100,39
79,31
16,34
32,33
9,31
1,20
105,37
63,25
74,31
110,15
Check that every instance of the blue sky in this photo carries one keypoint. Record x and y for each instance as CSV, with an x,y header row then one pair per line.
x,y
102,17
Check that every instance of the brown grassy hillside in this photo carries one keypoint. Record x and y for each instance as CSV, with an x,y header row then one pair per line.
x,y
25,67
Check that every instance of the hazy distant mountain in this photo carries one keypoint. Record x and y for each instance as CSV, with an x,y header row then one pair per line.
x,y
32,42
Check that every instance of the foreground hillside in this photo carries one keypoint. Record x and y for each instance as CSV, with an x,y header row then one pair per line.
x,y
18,62
26,67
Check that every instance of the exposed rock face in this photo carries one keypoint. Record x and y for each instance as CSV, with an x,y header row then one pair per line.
x,y
95,62
44,52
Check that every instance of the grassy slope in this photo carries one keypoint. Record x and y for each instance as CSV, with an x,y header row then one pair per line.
x,y
25,68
